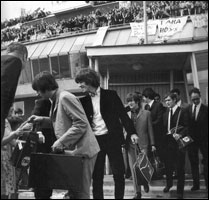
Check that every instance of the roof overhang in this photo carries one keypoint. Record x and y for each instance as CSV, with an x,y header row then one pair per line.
x,y
94,51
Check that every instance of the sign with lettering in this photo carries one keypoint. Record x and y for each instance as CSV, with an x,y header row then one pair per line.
x,y
169,27
199,20
137,29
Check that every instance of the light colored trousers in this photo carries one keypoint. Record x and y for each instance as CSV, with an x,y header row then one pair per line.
x,y
88,168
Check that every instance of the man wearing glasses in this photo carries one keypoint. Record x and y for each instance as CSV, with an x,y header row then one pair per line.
x,y
198,128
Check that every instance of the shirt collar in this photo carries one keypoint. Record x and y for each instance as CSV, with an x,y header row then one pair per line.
x,y
150,103
97,93
174,108
179,103
53,98
197,105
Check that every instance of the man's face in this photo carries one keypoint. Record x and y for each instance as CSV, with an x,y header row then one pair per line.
x,y
195,98
132,104
145,99
85,88
177,96
44,95
170,102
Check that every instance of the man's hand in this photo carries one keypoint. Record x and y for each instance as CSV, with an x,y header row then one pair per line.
x,y
176,136
57,147
35,119
134,139
153,148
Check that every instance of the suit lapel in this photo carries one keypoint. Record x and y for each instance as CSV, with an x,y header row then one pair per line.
x,y
200,112
140,113
102,101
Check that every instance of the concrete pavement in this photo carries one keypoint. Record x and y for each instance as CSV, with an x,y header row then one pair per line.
x,y
156,188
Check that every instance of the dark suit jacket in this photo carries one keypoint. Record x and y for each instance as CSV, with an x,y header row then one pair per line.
x,y
157,117
183,121
198,130
10,71
42,108
113,114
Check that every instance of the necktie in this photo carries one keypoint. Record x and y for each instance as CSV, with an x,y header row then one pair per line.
x,y
194,113
170,119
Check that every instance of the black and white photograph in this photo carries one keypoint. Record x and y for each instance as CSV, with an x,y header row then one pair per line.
x,y
104,99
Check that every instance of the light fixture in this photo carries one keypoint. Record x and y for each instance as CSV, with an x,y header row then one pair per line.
x,y
137,66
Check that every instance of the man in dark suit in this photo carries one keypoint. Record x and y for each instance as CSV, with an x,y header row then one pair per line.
x,y
11,65
180,103
174,157
42,108
107,117
198,130
156,109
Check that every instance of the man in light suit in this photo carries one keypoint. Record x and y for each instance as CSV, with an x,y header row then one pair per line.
x,y
143,125
71,127
198,130
107,117
11,65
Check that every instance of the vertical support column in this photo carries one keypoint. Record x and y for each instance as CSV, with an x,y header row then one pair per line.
x,y
171,79
90,63
145,23
96,64
186,85
194,70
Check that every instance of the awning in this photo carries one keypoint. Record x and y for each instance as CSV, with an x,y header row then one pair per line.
x,y
38,50
67,46
50,45
88,41
78,44
31,49
63,46
57,47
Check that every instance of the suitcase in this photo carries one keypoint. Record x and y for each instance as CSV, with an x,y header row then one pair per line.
x,y
26,144
142,168
56,171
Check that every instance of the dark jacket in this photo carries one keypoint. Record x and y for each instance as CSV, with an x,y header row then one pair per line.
x,y
183,121
157,117
10,71
42,108
198,129
113,114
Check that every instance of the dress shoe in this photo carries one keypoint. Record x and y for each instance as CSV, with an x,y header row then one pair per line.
x,y
146,188
166,189
195,188
138,195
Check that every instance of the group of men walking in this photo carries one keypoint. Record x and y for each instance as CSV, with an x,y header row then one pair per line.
x,y
92,127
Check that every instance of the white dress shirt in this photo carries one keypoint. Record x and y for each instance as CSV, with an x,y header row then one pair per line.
x,y
99,126
169,117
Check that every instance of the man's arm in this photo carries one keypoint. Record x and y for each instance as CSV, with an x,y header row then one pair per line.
x,y
159,117
74,110
9,80
126,121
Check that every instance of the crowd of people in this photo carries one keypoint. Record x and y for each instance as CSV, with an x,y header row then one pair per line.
x,y
93,126
37,14
116,16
